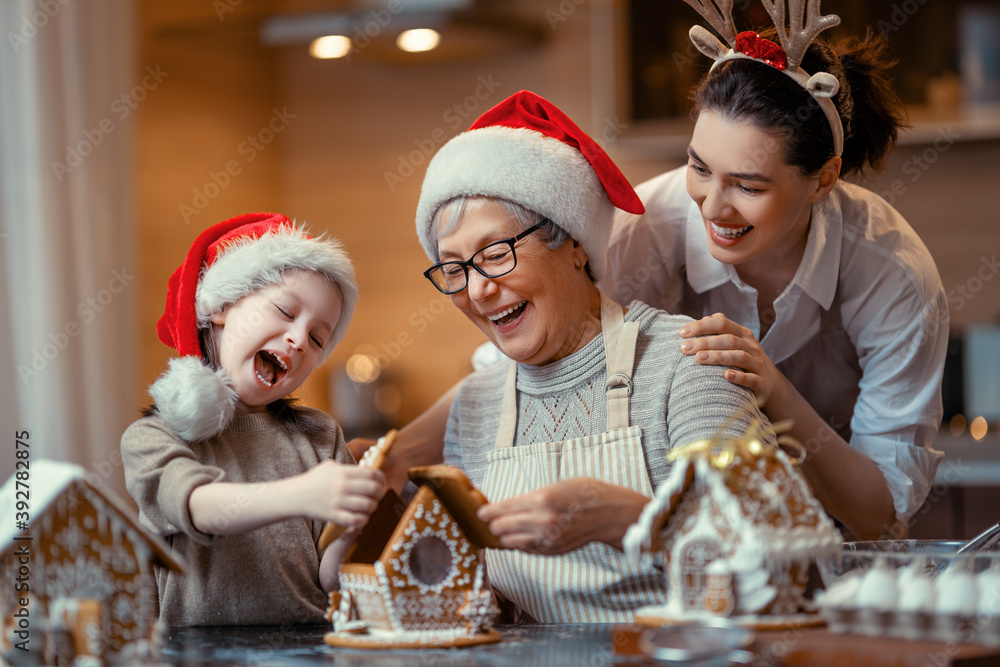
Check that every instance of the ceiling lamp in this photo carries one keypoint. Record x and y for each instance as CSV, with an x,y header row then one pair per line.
x,y
330,46
418,40
391,32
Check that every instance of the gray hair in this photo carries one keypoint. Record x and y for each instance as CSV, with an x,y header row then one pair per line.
x,y
550,233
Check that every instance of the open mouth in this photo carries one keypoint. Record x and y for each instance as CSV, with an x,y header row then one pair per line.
x,y
509,315
730,233
269,367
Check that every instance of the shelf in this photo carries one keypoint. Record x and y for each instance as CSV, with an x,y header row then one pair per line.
x,y
668,139
961,124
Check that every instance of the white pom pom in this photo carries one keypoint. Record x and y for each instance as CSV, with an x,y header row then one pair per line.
x,y
194,400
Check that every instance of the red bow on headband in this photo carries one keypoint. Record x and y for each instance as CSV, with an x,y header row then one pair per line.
x,y
751,44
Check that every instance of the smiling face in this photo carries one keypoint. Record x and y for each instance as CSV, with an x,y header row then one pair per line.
x,y
755,207
273,338
541,311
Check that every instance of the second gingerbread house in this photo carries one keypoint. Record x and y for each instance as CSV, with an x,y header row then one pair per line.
x,y
78,571
736,528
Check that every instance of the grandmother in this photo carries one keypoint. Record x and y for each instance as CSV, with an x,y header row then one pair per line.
x,y
568,438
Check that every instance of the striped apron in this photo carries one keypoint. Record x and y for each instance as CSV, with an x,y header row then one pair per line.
x,y
595,583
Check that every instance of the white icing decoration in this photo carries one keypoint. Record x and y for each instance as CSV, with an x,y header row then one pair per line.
x,y
708,524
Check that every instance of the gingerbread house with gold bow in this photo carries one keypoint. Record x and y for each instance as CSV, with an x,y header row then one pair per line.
x,y
735,528
77,568
418,581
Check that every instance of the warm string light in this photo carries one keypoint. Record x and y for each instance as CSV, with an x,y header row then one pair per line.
x,y
417,40
330,46
363,368
978,428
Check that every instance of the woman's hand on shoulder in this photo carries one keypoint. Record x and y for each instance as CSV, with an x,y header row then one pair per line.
x,y
716,340
564,516
342,493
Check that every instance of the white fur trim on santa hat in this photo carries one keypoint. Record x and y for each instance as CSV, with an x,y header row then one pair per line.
x,y
194,400
524,166
249,264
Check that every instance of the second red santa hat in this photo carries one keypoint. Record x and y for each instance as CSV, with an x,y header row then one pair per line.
x,y
527,151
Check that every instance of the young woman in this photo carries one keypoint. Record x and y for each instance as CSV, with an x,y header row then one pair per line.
x,y
815,292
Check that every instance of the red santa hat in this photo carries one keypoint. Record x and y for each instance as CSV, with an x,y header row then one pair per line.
x,y
228,261
528,151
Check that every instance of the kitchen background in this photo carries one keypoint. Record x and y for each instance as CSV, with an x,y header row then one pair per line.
x,y
128,126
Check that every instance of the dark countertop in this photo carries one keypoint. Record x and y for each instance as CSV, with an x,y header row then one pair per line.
x,y
578,645
523,645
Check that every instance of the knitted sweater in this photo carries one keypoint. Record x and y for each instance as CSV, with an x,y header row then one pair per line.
x,y
269,576
675,400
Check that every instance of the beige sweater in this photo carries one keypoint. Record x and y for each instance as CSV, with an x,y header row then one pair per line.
x,y
269,576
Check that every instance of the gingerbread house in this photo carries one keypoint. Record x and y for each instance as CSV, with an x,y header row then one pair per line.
x,y
418,581
78,571
735,528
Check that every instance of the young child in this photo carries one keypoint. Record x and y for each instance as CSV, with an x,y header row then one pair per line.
x,y
237,479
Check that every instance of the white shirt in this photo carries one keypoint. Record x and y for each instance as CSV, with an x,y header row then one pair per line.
x,y
861,331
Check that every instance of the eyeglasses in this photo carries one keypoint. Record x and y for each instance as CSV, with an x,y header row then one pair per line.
x,y
495,260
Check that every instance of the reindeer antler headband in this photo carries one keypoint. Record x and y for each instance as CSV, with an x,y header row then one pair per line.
x,y
803,25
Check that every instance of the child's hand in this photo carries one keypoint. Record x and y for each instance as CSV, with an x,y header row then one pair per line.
x,y
333,558
343,494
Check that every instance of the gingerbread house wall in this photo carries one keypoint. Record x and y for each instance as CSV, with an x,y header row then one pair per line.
x,y
82,548
365,590
691,540
420,603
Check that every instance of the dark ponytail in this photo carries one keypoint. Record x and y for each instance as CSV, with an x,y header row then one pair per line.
x,y
877,113
745,91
